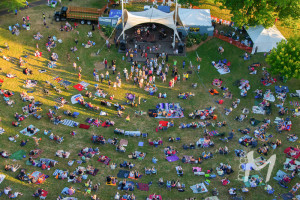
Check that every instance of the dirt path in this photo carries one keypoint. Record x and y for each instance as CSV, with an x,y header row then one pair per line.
x,y
194,47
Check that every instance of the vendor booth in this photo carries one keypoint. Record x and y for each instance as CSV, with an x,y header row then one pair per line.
x,y
196,21
264,39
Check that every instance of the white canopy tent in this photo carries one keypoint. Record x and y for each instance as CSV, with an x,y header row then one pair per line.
x,y
195,17
264,39
151,15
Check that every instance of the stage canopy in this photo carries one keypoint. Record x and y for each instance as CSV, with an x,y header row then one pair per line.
x,y
264,39
152,15
195,17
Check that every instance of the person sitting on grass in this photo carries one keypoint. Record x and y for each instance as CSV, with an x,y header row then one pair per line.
x,y
12,168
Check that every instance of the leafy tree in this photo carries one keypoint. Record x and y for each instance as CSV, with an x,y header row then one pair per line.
x,y
193,2
261,12
11,5
285,59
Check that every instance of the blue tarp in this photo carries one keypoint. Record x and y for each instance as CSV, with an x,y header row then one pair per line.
x,y
115,13
164,8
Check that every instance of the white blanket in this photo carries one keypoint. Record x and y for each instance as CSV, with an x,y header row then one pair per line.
x,y
2,177
258,110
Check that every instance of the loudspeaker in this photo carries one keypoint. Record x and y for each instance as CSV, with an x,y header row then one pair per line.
x,y
180,47
122,45
180,35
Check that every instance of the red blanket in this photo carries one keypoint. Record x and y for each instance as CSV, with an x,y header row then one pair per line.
x,y
163,123
84,126
78,87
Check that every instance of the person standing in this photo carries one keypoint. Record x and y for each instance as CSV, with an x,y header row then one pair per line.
x,y
183,64
79,76
105,63
74,66
79,69
102,77
68,56
16,11
27,17
106,75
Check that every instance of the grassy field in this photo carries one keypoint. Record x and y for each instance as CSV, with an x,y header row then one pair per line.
x,y
25,44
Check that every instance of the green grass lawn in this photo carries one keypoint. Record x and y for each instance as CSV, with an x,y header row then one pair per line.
x,y
24,43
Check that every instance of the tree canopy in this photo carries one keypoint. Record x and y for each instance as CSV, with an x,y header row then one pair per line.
x,y
11,5
285,59
261,12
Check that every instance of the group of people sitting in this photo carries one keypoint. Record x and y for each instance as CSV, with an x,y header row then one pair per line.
x,y
169,151
224,150
224,169
185,95
98,139
56,138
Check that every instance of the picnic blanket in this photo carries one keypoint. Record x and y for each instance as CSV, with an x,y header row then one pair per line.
x,y
59,153
126,186
260,160
247,180
30,83
288,196
65,191
172,158
40,177
196,191
158,197
70,123
58,171
143,186
140,144
1,130
292,167
79,87
279,175
2,177
258,110
74,99
123,174
18,155
281,89
163,123
106,161
24,131
123,142
84,126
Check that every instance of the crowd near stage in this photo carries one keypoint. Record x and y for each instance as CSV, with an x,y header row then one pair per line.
x,y
151,40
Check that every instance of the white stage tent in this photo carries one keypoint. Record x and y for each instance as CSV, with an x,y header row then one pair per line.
x,y
151,15
264,39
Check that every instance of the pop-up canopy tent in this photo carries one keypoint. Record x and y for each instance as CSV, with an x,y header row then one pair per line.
x,y
264,39
196,20
152,15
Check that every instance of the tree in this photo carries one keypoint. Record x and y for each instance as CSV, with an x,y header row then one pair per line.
x,y
261,12
11,5
193,2
285,59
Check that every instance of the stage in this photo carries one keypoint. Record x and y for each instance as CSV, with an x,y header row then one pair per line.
x,y
153,40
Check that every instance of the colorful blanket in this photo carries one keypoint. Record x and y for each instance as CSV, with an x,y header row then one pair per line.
x,y
200,189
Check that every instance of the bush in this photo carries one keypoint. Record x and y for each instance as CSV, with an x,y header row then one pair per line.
x,y
107,30
204,37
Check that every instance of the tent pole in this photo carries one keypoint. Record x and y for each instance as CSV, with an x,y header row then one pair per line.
x,y
123,19
176,8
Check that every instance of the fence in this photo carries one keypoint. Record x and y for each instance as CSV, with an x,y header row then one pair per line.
x,y
233,42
